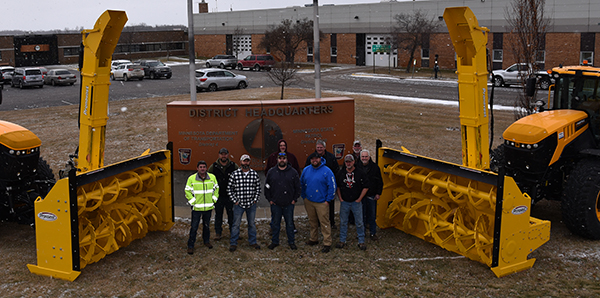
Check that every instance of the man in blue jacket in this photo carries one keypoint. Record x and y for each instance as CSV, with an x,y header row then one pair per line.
x,y
318,190
282,189
331,162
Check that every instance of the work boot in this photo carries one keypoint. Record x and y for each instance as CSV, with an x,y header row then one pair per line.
x,y
255,245
217,237
312,243
362,246
190,250
232,248
374,237
293,246
272,246
208,245
340,245
326,249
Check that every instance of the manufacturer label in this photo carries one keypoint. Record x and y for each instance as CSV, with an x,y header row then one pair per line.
x,y
47,216
519,210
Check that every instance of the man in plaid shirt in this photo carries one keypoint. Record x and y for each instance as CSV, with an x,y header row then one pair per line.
x,y
244,191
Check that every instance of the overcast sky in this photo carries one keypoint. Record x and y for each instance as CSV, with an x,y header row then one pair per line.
x,y
30,15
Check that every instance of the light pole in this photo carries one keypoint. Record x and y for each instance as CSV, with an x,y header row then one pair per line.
x,y
191,51
317,49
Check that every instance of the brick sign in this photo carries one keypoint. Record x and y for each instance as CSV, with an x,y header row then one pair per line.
x,y
198,130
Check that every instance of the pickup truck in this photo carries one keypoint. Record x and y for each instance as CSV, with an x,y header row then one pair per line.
x,y
513,75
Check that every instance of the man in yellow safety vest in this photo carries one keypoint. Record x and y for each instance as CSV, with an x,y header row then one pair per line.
x,y
201,192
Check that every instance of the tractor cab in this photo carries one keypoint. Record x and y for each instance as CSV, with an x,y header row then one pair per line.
x,y
576,88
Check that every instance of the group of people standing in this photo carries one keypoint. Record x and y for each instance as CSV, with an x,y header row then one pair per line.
x,y
224,185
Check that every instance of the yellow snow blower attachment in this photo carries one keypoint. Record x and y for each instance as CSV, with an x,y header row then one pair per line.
x,y
462,208
98,209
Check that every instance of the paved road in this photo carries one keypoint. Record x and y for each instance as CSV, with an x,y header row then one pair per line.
x,y
342,79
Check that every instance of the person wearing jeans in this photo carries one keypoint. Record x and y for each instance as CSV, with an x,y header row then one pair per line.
x,y
282,189
201,191
238,212
244,191
352,186
222,168
375,189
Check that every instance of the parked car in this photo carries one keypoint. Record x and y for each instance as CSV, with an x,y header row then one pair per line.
x,y
116,63
43,70
256,62
127,72
514,75
155,69
25,77
6,72
59,77
222,61
214,79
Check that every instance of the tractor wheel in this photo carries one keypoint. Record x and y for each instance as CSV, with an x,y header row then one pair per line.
x,y
44,177
497,159
580,203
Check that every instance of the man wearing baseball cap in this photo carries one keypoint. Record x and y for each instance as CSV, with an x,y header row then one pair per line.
x,y
222,168
352,186
244,191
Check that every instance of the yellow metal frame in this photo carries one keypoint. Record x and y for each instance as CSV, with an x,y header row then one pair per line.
x,y
466,211
99,209
99,44
88,216
462,208
470,40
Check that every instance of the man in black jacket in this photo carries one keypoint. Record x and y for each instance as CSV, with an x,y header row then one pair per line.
x,y
222,168
352,186
375,189
332,164
282,189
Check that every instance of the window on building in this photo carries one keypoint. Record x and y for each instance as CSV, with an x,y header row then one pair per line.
x,y
72,51
0,55
498,56
424,57
540,56
333,51
587,55
309,54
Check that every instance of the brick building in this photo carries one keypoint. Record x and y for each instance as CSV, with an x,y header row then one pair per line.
x,y
351,31
63,48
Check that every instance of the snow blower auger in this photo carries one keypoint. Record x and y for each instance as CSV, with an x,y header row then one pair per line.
x,y
97,209
478,214
465,209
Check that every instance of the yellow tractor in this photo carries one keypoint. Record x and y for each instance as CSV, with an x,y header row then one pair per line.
x,y
555,154
24,176
94,209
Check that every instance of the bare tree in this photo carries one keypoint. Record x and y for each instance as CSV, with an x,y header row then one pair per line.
x,y
410,30
528,28
283,74
287,37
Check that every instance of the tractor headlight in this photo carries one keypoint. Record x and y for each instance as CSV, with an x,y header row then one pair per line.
x,y
11,151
